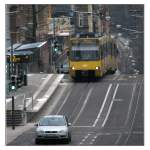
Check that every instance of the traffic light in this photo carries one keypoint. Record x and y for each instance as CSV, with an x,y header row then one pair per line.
x,y
55,46
19,81
13,82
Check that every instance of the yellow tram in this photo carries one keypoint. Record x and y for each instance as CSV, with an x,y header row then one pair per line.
x,y
91,55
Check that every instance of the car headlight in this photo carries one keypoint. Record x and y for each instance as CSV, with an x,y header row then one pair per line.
x,y
62,132
40,132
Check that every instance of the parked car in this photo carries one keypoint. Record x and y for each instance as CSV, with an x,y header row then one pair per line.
x,y
54,127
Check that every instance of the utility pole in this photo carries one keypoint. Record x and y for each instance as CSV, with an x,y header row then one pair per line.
x,y
34,13
90,18
99,22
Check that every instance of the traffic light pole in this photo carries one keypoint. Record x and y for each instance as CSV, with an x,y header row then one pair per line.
x,y
12,73
13,109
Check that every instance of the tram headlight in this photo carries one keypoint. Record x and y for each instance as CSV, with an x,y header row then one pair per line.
x,y
73,68
97,68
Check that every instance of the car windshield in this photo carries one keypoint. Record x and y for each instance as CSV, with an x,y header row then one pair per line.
x,y
52,121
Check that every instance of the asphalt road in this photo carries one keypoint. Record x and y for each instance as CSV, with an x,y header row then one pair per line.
x,y
105,112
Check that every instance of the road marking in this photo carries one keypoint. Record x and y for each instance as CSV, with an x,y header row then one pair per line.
x,y
115,91
102,107
64,102
83,106
110,106
130,105
115,77
137,132
118,100
82,126
84,139
134,114
119,137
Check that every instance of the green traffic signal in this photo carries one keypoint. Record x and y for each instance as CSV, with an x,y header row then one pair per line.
x,y
56,49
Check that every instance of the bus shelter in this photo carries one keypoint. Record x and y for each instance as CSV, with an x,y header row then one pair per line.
x,y
17,66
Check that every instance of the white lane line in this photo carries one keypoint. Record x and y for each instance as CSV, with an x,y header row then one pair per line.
x,y
118,139
110,106
130,105
99,114
140,92
115,91
83,106
82,127
64,102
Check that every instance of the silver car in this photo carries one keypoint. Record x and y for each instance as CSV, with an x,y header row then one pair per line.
x,y
53,127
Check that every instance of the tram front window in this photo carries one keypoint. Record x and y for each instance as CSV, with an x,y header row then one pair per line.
x,y
85,55
85,52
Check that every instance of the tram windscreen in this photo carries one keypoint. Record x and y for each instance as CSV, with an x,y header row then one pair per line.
x,y
85,52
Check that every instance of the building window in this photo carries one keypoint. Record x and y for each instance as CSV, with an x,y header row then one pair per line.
x,y
81,20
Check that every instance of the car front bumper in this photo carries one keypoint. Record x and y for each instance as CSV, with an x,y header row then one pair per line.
x,y
51,136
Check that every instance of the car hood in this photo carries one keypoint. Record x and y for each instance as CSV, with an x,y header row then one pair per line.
x,y
51,128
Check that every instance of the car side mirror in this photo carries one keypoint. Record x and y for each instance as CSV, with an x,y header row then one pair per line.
x,y
36,124
69,124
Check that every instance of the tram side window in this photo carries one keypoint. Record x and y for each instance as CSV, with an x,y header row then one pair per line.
x,y
115,49
106,50
102,52
111,47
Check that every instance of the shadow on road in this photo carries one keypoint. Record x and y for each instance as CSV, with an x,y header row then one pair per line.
x,y
52,142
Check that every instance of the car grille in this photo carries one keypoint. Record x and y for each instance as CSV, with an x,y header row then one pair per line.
x,y
50,131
